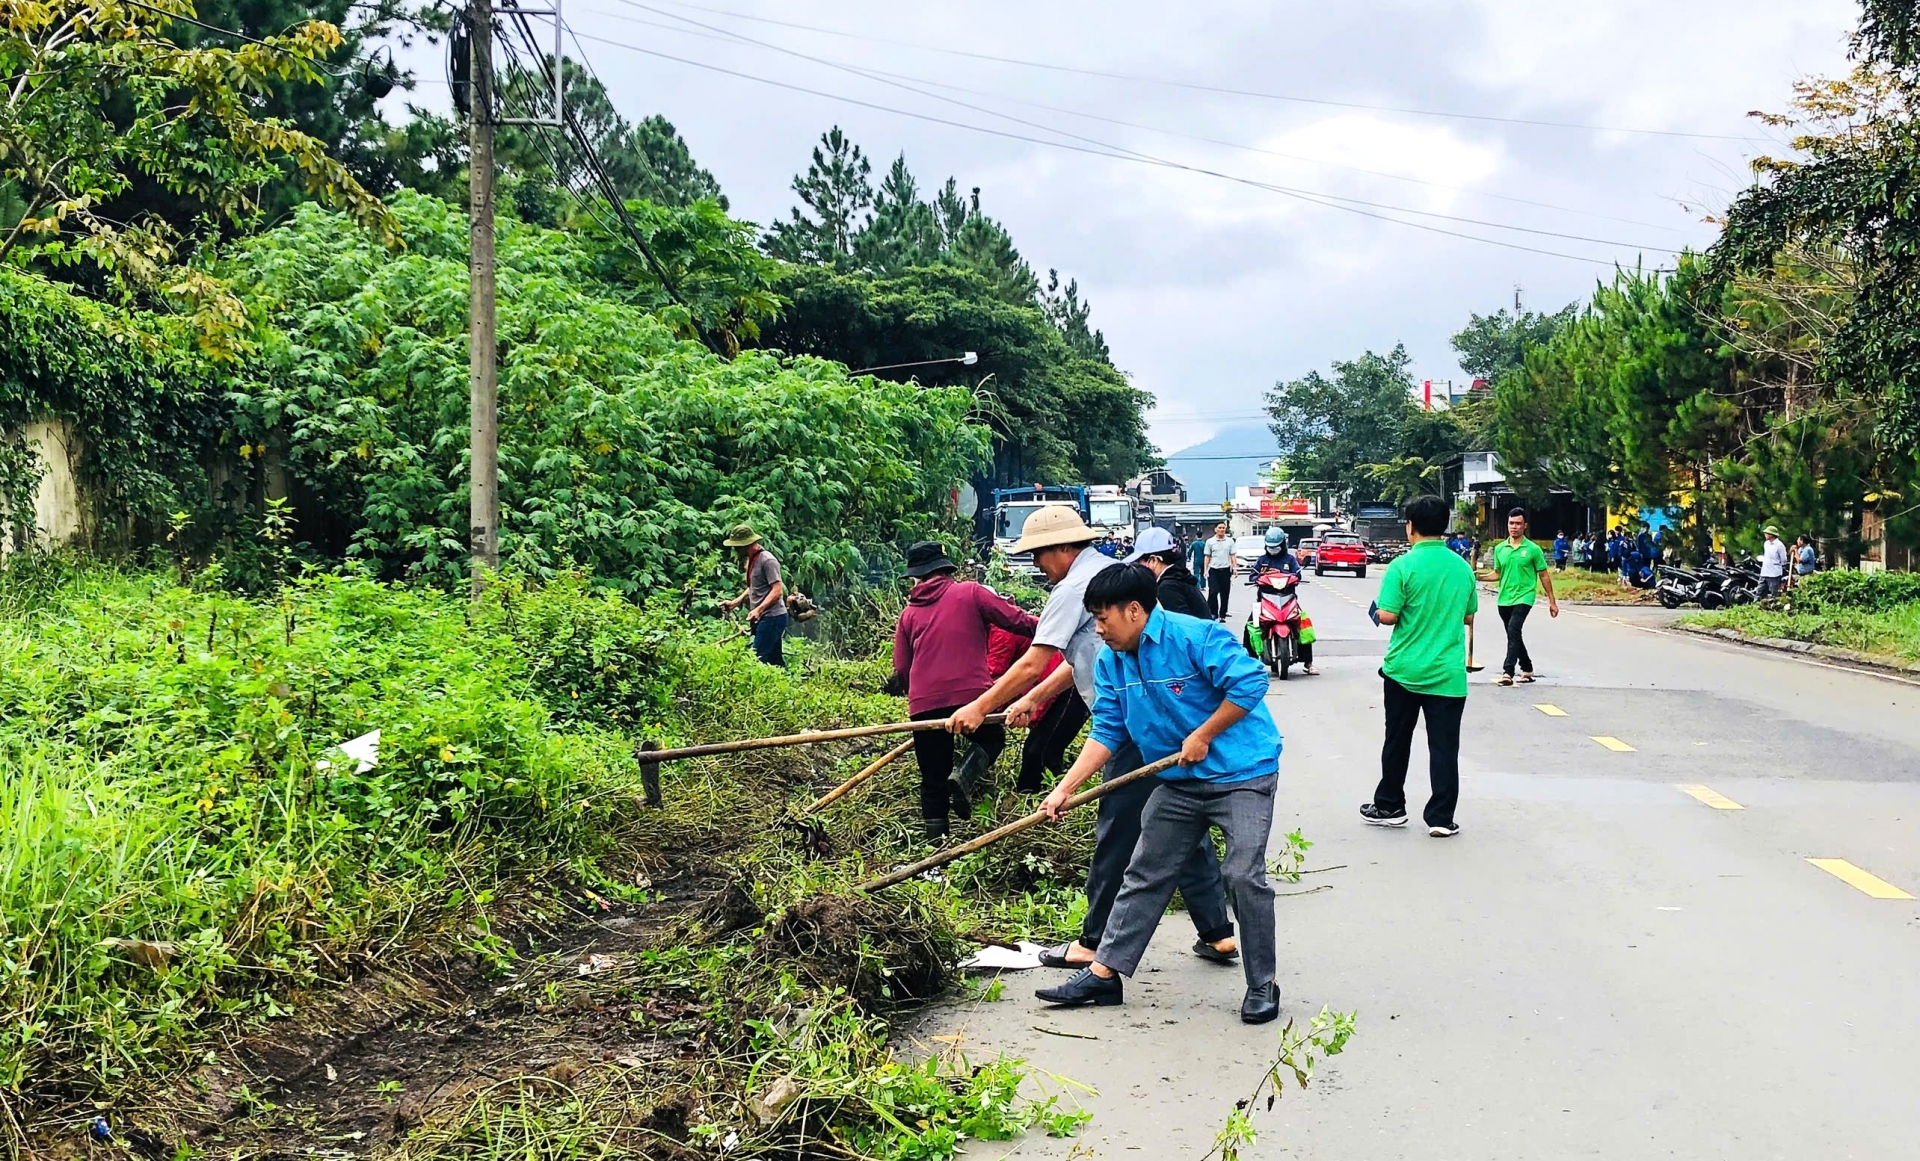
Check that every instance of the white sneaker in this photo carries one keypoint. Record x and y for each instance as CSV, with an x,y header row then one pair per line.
x,y
1443,831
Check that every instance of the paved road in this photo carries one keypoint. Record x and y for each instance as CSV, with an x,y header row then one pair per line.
x,y
1601,965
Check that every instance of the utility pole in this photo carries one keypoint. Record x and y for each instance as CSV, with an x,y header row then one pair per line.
x,y
483,382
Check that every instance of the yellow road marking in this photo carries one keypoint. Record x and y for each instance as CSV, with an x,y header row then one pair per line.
x,y
1713,798
1552,711
1614,744
1853,876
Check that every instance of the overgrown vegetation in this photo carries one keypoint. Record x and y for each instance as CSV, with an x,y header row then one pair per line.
x,y
1876,613
187,854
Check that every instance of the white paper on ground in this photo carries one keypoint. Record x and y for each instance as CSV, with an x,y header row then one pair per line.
x,y
994,958
364,750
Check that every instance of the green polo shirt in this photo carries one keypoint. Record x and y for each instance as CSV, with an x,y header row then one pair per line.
x,y
1519,570
1431,590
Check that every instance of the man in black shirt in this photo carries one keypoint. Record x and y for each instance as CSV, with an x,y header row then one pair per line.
x,y
1178,591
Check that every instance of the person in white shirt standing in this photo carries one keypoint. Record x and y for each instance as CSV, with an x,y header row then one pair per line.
x,y
1773,564
1219,572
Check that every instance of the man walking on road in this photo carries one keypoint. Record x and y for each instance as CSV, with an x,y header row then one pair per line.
x,y
1059,543
767,615
1169,684
1219,572
1426,595
1523,569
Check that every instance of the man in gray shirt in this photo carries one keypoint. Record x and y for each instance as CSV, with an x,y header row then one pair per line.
x,y
1060,542
765,595
1219,556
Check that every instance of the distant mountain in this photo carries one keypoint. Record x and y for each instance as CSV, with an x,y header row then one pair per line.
x,y
1211,470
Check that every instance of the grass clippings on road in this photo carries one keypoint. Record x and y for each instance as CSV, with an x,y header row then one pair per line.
x,y
1581,587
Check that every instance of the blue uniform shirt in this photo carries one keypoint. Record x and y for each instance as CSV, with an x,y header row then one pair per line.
x,y
1178,675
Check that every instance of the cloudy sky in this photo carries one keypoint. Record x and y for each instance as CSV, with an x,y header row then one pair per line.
x,y
1212,285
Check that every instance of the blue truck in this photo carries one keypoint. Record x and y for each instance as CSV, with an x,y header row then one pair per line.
x,y
1103,506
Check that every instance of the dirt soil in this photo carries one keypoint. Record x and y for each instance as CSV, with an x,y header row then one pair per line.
x,y
358,1068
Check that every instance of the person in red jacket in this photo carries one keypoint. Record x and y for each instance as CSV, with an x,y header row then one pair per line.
x,y
1056,721
940,648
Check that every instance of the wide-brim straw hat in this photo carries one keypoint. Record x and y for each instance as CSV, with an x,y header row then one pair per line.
x,y
742,536
1051,526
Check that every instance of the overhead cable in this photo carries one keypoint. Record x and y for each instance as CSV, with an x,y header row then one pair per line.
x,y
1134,78
1045,128
1095,152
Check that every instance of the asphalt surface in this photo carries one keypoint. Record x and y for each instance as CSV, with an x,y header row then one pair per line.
x,y
1602,964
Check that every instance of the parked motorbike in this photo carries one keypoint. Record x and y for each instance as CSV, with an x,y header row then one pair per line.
x,y
1273,630
1679,586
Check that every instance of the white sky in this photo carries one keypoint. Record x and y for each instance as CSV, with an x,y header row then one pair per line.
x,y
1209,290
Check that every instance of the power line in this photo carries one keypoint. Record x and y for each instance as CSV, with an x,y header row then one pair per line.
x,y
1151,80
1118,156
735,38
1045,128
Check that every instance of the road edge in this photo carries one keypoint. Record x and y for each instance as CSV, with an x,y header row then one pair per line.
x,y
1849,657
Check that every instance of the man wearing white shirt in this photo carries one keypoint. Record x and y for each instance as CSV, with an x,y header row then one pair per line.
x,y
1773,564
1219,572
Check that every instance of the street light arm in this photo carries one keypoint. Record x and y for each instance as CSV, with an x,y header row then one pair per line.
x,y
968,359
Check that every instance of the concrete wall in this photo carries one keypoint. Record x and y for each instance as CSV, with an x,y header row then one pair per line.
x,y
57,513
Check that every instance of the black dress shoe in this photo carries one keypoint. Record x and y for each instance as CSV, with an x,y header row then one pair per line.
x,y
1087,988
1262,1004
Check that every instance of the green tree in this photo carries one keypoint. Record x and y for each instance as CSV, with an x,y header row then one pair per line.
x,y
1492,346
98,95
1056,415
649,160
904,232
837,190
622,446
1357,428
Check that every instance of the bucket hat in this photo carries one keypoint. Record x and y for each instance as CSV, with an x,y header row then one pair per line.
x,y
741,536
926,558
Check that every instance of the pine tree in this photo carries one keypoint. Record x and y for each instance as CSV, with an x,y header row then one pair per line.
x,y
837,188
983,245
1071,317
904,231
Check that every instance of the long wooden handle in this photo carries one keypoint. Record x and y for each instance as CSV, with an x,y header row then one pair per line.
x,y
877,765
807,739
1015,827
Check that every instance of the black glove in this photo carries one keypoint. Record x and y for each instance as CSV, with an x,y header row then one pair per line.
x,y
895,686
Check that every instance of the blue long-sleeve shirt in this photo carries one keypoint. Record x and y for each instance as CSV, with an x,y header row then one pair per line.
x,y
1180,672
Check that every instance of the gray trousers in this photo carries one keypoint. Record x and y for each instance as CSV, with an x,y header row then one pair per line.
x,y
1178,815
1117,832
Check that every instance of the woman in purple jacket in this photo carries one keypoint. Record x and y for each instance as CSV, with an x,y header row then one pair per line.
x,y
940,649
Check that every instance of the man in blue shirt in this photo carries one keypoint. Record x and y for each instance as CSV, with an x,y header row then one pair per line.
x,y
1172,684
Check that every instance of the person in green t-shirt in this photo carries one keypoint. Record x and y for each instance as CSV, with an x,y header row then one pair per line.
x,y
1427,594
1523,570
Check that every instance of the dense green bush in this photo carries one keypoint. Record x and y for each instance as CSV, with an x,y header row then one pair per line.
x,y
1866,592
623,448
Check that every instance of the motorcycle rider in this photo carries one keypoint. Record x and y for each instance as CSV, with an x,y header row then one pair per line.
x,y
1278,557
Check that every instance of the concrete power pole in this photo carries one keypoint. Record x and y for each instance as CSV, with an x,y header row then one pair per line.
x,y
483,482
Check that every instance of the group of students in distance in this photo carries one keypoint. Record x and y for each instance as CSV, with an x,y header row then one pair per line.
x,y
1161,683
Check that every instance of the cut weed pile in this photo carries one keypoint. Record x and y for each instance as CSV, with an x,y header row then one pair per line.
x,y
222,939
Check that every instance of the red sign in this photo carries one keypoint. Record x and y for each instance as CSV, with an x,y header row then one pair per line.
x,y
1273,509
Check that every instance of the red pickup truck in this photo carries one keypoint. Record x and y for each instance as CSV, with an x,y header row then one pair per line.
x,y
1337,551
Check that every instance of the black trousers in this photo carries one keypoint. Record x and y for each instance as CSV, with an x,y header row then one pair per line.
x,y
1219,591
1047,741
1514,617
1404,708
933,750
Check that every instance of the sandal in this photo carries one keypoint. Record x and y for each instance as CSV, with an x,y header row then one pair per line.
x,y
1503,679
1056,956
1525,679
1212,954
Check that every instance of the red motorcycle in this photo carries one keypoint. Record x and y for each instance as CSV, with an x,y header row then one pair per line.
x,y
1273,631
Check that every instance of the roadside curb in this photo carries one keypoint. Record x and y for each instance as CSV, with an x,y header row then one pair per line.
x,y
1807,648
